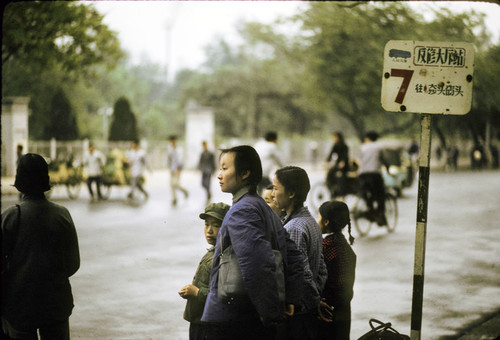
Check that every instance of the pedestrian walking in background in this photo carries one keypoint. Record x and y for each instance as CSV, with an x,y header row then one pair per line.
x,y
136,159
175,164
290,187
94,162
196,293
340,261
40,252
270,156
207,167
249,227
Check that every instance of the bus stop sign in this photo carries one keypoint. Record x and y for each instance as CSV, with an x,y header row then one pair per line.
x,y
427,77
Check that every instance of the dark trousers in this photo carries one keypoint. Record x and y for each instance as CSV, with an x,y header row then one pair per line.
x,y
339,328
248,330
197,331
57,330
302,327
206,177
97,180
373,190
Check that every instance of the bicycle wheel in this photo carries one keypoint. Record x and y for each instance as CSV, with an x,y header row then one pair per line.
x,y
391,212
359,215
318,194
105,191
73,190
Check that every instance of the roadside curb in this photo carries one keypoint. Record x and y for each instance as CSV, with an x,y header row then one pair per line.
x,y
485,328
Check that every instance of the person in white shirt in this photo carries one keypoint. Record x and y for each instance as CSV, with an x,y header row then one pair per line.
x,y
136,158
270,157
371,180
175,165
94,162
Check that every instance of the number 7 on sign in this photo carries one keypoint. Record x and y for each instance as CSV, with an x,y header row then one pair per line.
x,y
406,75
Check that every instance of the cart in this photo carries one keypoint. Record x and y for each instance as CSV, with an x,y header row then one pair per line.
x,y
116,172
67,173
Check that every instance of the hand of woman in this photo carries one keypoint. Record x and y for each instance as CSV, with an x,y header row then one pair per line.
x,y
325,311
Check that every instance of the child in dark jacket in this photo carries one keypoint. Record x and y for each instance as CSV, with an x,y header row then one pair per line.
x,y
340,261
196,293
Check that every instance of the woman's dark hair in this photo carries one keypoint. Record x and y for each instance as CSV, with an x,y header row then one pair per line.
x,y
339,135
246,159
372,135
337,213
295,180
32,176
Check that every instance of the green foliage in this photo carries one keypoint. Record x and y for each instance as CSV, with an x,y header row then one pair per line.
x,y
39,34
62,125
123,124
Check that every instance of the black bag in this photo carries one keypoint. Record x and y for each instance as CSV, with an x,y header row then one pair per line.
x,y
383,331
230,281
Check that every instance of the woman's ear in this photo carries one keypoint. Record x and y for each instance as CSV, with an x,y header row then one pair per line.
x,y
245,175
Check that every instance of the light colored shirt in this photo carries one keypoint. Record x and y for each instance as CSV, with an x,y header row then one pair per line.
x,y
137,161
94,162
270,157
174,159
371,158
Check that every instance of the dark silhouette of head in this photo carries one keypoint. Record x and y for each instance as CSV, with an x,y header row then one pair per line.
x,y
32,175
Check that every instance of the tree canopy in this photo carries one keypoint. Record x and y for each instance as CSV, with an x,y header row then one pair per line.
x,y
123,123
39,34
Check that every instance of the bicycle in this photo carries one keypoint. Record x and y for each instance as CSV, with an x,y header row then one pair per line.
x,y
362,219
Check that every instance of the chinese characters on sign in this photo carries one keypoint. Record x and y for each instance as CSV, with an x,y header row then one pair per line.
x,y
427,77
438,56
448,90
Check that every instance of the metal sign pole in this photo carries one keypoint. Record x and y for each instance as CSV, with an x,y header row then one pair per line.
x,y
421,230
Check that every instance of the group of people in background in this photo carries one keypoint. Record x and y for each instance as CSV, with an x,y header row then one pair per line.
x,y
319,272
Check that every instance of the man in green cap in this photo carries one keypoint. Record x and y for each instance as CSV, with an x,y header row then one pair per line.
x,y
196,293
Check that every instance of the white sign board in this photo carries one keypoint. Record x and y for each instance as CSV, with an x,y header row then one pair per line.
x,y
427,77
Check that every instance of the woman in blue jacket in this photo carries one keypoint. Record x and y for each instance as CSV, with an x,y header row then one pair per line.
x,y
248,227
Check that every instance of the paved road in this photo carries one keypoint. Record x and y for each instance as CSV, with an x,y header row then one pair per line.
x,y
135,258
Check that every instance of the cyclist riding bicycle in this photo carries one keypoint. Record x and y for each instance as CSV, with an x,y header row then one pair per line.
x,y
371,180
336,178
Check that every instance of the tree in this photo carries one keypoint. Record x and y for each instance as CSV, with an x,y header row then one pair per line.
x,y
39,34
52,45
123,123
63,124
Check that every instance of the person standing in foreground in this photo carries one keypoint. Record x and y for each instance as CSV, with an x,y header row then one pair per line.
x,y
249,227
94,161
290,187
40,252
136,158
341,263
175,165
207,167
196,293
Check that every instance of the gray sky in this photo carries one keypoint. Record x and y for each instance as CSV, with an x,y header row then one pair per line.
x,y
142,26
